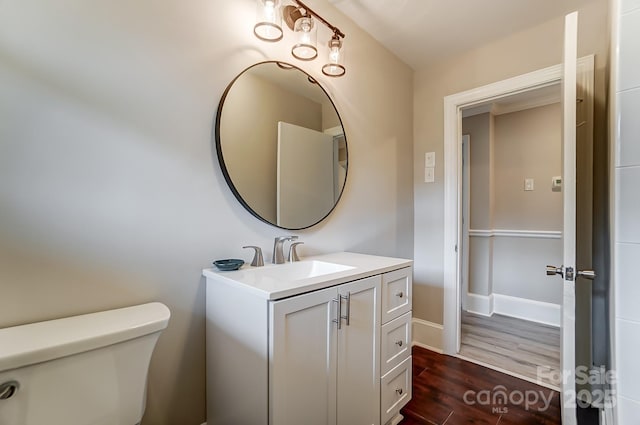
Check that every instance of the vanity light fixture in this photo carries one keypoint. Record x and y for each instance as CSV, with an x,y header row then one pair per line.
x,y
268,26
305,49
335,67
302,21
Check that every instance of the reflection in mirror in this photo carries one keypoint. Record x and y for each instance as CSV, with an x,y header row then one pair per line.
x,y
281,145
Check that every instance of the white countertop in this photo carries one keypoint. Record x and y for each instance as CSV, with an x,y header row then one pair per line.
x,y
272,281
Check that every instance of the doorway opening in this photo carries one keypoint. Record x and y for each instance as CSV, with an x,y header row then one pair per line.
x,y
512,223
455,260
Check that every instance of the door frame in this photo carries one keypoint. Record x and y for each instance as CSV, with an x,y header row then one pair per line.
x,y
453,105
466,215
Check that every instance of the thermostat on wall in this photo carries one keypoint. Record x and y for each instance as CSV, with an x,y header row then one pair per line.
x,y
556,183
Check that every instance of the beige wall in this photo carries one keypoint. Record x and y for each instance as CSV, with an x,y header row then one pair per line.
x,y
481,152
517,54
110,190
527,145
504,150
518,268
481,171
251,151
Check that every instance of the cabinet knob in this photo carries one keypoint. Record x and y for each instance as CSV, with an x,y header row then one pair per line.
x,y
399,343
399,391
400,294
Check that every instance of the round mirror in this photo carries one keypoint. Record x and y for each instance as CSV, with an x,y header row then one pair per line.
x,y
281,145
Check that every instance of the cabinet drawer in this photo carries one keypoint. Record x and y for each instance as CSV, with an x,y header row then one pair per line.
x,y
396,390
396,342
396,293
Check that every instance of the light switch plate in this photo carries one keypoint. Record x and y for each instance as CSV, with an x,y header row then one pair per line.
x,y
528,184
430,159
429,174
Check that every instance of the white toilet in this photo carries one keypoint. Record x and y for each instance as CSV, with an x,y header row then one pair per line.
x,y
82,370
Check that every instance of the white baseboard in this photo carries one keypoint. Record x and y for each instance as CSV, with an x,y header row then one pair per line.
x,y
480,304
521,308
426,334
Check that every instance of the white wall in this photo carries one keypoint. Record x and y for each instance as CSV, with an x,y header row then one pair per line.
x,y
110,191
522,52
626,97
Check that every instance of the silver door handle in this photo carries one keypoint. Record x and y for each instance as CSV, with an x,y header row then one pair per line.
x,y
399,294
587,274
553,270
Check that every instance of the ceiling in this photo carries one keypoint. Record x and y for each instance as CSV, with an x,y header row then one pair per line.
x,y
421,32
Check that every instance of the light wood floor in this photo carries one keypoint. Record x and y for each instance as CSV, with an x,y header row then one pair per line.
x,y
513,345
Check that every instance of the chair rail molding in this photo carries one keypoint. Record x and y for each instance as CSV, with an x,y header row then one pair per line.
x,y
512,233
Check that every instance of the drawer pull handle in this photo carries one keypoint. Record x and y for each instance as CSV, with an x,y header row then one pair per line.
x,y
399,343
400,294
399,391
338,319
348,299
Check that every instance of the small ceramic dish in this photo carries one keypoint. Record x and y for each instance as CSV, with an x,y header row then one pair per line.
x,y
228,264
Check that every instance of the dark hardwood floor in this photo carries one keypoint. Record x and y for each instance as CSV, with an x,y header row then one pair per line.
x,y
451,391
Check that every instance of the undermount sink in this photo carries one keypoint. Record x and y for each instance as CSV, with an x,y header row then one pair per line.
x,y
300,270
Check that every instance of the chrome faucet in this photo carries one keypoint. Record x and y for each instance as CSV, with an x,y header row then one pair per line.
x,y
278,251
257,261
293,254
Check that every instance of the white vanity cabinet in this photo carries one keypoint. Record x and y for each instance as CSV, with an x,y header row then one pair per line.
x,y
325,359
327,350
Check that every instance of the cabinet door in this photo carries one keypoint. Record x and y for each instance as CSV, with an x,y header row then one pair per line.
x,y
358,394
302,359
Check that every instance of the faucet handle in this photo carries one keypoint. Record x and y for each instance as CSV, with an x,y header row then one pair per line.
x,y
257,261
293,253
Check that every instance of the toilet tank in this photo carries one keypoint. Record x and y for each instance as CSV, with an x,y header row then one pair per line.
x,y
82,370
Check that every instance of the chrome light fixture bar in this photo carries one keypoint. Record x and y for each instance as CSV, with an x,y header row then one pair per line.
x,y
302,21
